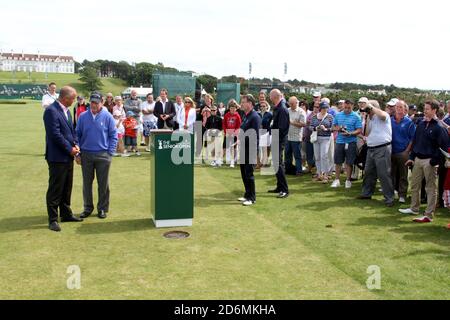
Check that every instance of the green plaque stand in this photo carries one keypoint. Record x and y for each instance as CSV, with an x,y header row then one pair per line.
x,y
172,186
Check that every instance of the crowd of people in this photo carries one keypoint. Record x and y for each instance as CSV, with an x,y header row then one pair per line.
x,y
395,145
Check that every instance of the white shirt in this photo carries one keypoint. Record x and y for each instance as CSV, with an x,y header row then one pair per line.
x,y
48,99
380,132
148,107
179,107
192,117
64,108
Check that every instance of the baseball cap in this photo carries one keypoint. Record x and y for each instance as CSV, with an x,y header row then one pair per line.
x,y
393,102
324,105
363,100
341,101
412,107
96,97
317,94
130,114
349,101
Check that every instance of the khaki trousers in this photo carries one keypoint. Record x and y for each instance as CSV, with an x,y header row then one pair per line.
x,y
422,168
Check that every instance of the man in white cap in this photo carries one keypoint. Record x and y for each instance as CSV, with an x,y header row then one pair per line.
x,y
390,106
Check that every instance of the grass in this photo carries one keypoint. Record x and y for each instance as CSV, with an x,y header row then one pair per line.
x,y
113,85
278,249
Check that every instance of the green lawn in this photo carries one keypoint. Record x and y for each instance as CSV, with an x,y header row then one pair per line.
x,y
278,249
113,85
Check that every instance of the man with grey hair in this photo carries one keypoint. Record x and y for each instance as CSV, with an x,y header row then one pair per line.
x,y
280,123
60,150
297,120
379,151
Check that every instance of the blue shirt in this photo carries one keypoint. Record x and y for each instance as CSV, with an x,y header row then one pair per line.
x,y
402,134
97,134
351,122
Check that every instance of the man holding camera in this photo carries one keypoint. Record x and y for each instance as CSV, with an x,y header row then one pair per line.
x,y
348,124
379,152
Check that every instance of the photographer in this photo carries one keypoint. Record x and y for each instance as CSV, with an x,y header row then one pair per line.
x,y
379,151
348,124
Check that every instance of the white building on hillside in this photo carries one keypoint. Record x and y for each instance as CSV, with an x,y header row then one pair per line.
x,y
36,63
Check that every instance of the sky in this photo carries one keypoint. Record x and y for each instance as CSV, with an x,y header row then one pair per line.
x,y
405,43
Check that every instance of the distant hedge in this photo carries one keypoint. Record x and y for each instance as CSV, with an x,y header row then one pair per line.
x,y
12,102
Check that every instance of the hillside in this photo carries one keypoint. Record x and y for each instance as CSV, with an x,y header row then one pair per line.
x,y
114,85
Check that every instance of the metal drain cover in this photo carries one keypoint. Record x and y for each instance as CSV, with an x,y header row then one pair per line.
x,y
176,235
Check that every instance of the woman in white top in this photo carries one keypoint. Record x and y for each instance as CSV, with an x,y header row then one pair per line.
x,y
187,116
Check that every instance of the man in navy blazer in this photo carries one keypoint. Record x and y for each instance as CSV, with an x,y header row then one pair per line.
x,y
60,150
165,111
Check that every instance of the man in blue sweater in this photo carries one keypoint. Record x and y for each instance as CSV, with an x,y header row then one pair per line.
x,y
424,157
249,141
97,135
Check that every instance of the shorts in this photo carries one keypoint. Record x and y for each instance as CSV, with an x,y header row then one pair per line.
x,y
130,141
149,125
341,155
228,141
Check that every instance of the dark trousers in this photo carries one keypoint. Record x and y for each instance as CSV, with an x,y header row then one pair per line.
x,y
282,185
59,190
293,148
95,164
399,173
249,181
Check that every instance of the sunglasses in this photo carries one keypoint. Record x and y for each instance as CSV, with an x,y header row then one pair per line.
x,y
188,102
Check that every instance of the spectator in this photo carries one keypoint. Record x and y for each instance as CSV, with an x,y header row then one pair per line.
x,y
50,96
149,121
109,102
322,124
231,125
131,127
379,153
119,106
266,138
424,158
165,111
97,134
221,110
120,133
412,110
403,131
214,134
178,107
280,123
309,148
133,104
262,98
390,107
349,126
297,120
187,116
79,108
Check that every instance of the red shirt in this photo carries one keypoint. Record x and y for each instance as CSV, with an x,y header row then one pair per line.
x,y
231,123
80,109
130,125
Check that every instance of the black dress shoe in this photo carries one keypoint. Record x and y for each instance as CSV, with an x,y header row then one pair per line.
x,y
71,219
102,214
54,226
84,215
274,191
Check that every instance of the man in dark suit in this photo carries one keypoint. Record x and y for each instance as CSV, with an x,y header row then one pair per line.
x,y
281,123
165,111
249,141
61,148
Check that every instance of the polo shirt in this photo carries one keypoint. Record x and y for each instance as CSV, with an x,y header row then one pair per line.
x,y
402,134
351,122
380,131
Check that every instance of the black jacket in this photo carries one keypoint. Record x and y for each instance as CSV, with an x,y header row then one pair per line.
x,y
170,110
281,120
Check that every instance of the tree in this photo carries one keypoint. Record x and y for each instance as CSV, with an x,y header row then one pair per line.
x,y
90,80
208,82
